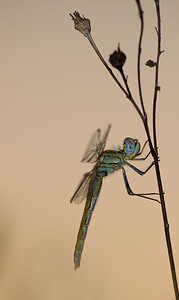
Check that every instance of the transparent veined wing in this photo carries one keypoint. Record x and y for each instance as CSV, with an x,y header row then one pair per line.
x,y
102,143
92,147
82,189
96,146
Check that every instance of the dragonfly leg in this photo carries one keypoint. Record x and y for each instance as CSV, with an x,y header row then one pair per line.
x,y
143,147
142,158
130,192
137,170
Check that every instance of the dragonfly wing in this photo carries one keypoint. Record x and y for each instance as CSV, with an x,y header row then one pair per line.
x,y
102,143
96,146
92,147
82,189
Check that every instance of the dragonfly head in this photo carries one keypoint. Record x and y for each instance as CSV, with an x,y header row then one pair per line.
x,y
131,147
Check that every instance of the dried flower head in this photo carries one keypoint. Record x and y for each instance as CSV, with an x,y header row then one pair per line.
x,y
117,59
81,24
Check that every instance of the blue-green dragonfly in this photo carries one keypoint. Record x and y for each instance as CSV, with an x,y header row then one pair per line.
x,y
107,162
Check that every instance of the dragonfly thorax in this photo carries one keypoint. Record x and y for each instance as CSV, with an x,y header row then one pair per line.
x,y
109,162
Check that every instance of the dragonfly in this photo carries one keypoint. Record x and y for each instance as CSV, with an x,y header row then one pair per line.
x,y
106,162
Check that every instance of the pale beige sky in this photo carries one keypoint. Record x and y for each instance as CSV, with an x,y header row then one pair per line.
x,y
55,93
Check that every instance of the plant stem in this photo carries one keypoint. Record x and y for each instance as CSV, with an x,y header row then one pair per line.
x,y
164,211
90,39
154,149
167,232
139,55
85,29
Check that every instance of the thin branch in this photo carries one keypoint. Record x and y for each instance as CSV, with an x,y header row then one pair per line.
x,y
145,120
130,95
164,212
83,25
90,39
117,60
156,87
167,232
139,55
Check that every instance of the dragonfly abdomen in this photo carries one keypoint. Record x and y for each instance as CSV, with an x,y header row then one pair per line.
x,y
93,193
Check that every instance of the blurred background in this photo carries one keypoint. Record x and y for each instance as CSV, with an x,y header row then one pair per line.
x,y
54,94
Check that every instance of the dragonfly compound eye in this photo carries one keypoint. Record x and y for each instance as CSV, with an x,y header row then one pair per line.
x,y
129,144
